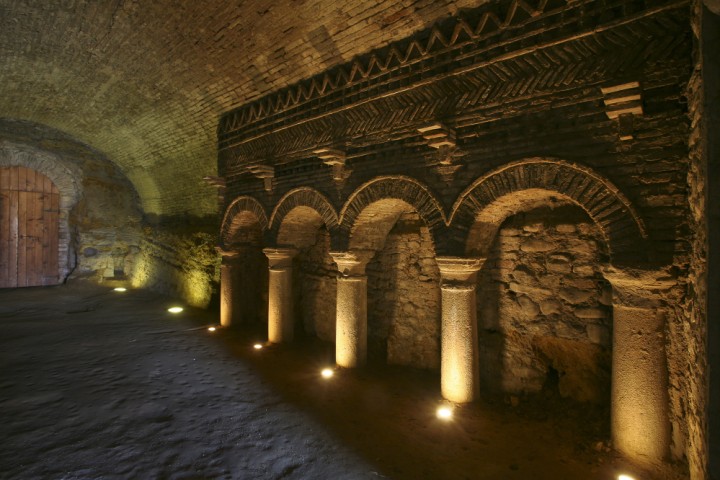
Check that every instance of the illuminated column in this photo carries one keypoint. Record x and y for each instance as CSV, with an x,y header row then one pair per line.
x,y
640,423
458,341
228,287
351,320
280,308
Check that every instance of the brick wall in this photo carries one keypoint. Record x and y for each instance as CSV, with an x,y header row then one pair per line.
x,y
528,115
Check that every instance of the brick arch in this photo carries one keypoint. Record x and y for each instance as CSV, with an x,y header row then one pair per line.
x,y
521,184
304,197
236,215
298,215
68,180
395,187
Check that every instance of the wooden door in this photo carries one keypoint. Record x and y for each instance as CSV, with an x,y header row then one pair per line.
x,y
29,228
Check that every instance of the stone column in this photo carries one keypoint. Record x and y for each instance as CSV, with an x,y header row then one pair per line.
x,y
459,369
351,320
228,287
280,308
640,423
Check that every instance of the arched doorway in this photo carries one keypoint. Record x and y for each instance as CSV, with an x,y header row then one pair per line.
x,y
29,228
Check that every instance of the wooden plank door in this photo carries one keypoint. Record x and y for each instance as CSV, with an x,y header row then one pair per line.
x,y
29,228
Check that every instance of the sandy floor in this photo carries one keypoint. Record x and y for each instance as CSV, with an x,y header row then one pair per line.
x,y
100,385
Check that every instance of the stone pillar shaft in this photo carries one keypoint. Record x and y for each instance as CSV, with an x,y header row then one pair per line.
x,y
351,324
459,369
640,422
351,320
280,293
228,287
639,399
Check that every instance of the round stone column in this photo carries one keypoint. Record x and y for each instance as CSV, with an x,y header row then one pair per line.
x,y
351,319
640,423
280,308
228,287
459,369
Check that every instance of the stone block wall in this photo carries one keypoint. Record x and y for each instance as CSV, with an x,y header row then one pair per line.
x,y
404,297
315,291
542,304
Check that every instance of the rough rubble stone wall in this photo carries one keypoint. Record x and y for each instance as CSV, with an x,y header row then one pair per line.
x,y
104,215
404,297
179,261
543,303
252,280
315,288
688,390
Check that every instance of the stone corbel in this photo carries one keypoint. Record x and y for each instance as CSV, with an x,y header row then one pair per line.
x,y
219,184
442,139
264,172
622,103
336,159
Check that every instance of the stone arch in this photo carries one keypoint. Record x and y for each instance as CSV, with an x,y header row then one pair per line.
x,y
241,213
393,190
299,214
528,183
66,178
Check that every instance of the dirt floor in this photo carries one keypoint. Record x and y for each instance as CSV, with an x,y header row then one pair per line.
x,y
96,384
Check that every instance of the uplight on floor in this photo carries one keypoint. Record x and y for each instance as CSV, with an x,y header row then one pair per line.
x,y
120,289
175,309
444,413
327,373
625,477
258,346
211,329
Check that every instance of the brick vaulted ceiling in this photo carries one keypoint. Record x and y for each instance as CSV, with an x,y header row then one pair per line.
x,y
145,81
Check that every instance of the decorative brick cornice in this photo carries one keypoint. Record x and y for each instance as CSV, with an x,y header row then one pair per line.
x,y
477,39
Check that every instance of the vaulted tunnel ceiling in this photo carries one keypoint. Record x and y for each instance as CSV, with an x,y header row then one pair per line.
x,y
145,82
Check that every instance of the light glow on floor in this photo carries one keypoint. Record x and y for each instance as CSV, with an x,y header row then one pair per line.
x,y
258,346
625,477
175,309
327,373
120,289
211,329
444,413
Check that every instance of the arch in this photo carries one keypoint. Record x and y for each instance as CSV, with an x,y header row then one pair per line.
x,y
499,193
304,197
393,189
67,179
242,212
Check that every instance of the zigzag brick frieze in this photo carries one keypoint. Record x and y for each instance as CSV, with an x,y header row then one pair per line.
x,y
477,51
473,96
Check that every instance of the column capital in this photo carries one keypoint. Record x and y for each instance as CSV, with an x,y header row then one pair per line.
x,y
225,252
640,288
280,257
459,269
353,263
